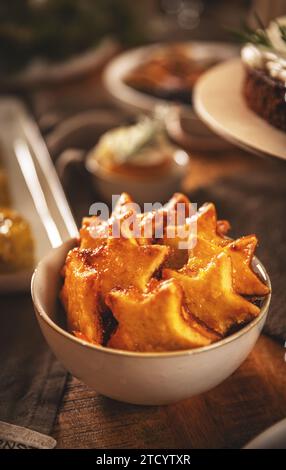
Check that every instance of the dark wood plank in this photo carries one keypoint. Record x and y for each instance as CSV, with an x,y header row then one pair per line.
x,y
252,399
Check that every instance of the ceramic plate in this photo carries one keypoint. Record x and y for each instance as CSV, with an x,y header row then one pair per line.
x,y
136,101
273,438
219,103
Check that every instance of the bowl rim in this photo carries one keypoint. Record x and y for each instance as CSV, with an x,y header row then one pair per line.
x,y
95,169
39,310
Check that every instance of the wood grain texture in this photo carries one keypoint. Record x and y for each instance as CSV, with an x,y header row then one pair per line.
x,y
249,401
253,398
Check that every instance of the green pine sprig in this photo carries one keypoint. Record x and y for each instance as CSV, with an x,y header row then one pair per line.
x,y
282,29
257,36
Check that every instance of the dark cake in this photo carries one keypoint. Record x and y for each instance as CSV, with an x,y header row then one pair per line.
x,y
266,96
264,59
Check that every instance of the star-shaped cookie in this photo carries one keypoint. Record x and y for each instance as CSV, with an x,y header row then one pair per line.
x,y
241,252
209,227
154,321
202,224
95,231
210,296
91,273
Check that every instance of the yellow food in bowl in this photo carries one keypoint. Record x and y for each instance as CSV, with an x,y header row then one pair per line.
x,y
16,242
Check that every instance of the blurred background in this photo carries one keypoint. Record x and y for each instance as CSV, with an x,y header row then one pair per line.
x,y
53,53
73,37
34,32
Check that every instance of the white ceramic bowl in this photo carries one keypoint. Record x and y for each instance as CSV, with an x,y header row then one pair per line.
x,y
139,378
158,189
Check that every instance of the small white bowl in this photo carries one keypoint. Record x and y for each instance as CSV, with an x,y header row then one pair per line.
x,y
139,378
158,189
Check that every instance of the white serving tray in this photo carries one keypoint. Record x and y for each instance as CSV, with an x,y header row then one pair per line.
x,y
35,189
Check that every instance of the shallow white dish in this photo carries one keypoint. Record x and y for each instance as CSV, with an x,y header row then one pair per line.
x,y
273,438
219,102
136,101
17,126
190,133
140,378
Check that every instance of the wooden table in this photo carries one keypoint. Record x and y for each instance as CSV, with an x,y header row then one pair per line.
x,y
249,401
252,399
